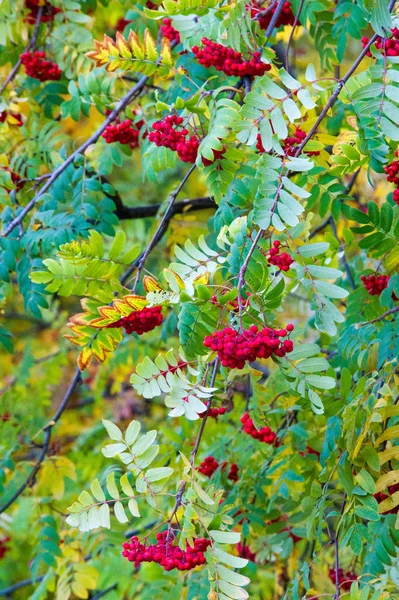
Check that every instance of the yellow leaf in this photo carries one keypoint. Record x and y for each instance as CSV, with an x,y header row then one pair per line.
x,y
386,480
166,53
135,45
79,590
150,48
389,434
389,503
122,45
150,285
202,279
84,358
388,454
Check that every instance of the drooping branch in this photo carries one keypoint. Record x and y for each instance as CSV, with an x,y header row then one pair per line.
x,y
333,98
47,438
387,313
181,490
161,227
151,210
31,45
122,104
287,50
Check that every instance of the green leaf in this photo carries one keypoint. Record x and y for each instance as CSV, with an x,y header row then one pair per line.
x,y
228,559
97,491
202,495
120,512
132,432
365,481
113,431
111,486
225,537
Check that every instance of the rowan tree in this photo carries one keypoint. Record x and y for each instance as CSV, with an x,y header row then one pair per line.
x,y
199,293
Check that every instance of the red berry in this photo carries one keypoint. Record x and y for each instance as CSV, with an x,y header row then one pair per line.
x,y
170,32
38,68
126,132
234,348
48,11
165,553
375,284
286,16
264,434
166,134
140,321
228,60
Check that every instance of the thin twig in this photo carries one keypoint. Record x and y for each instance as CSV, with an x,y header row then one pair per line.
x,y
126,100
30,46
47,437
273,20
391,311
160,229
287,50
151,210
13,588
104,592
194,451
343,257
337,90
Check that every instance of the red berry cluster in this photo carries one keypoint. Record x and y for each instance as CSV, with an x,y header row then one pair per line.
x,y
228,60
283,261
140,321
264,434
388,46
380,496
166,134
217,155
169,31
290,144
345,578
48,12
208,466
166,554
17,116
38,68
392,171
375,284
235,348
286,16
233,473
245,552
3,547
213,412
126,132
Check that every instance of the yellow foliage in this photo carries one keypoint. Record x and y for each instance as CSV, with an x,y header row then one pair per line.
x,y
51,476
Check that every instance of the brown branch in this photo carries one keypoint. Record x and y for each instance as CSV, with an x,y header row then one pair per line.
x,y
126,100
161,227
47,438
333,98
180,492
151,210
273,20
391,311
287,50
30,46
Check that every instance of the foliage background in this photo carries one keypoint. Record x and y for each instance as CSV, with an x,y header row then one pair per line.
x,y
281,490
